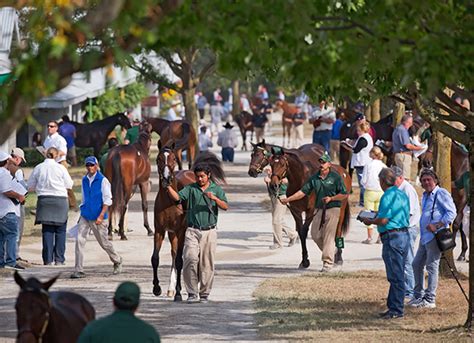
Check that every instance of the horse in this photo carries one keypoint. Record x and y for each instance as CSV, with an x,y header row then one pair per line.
x,y
245,123
288,164
179,131
170,217
44,316
286,119
126,166
95,134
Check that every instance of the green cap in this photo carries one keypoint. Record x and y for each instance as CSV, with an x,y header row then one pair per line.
x,y
127,294
277,150
325,157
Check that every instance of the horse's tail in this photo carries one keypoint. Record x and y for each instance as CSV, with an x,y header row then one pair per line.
x,y
346,219
117,185
215,165
182,142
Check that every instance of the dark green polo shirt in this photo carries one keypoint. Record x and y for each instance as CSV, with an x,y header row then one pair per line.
x,y
463,183
132,134
330,186
197,209
283,189
119,327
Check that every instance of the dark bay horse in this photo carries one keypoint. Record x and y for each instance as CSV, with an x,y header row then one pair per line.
x,y
179,131
127,166
288,164
170,217
43,316
95,134
286,119
245,123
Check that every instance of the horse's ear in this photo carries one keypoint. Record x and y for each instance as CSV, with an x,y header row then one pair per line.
x,y
173,145
159,144
19,280
46,285
263,142
253,145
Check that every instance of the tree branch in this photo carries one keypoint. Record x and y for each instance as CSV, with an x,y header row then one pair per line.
x,y
206,70
451,103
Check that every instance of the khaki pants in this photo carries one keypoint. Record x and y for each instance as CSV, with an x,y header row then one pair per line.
x,y
403,161
198,259
298,134
259,131
278,218
100,233
325,236
334,150
70,194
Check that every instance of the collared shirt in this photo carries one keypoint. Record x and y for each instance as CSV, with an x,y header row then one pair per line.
x,y
415,211
370,175
394,206
68,131
204,142
327,187
198,211
400,138
132,134
336,130
227,139
443,211
6,204
56,141
297,117
327,113
50,178
104,187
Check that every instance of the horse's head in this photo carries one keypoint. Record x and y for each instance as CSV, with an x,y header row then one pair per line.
x,y
123,121
259,158
166,163
144,141
349,129
145,126
33,308
278,105
280,165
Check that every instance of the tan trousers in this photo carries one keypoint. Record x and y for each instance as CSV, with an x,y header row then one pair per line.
x,y
100,233
403,161
198,258
70,194
278,220
334,150
259,133
298,133
326,236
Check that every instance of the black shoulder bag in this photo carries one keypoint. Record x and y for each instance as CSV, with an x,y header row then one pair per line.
x,y
444,237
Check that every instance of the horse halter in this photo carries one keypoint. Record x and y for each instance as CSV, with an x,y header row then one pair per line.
x,y
162,176
28,329
266,159
285,160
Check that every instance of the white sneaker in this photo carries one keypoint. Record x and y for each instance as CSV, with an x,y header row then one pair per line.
x,y
426,304
415,302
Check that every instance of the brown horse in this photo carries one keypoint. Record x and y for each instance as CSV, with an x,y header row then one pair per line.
x,y
245,123
286,119
127,166
170,217
43,316
288,164
179,131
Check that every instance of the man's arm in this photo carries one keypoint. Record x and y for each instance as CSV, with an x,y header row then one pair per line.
x,y
14,195
220,203
173,194
376,221
296,196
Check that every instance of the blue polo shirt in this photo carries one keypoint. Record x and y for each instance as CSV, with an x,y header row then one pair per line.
x,y
400,138
395,206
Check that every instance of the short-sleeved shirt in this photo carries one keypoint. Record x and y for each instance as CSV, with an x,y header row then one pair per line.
x,y
198,204
400,138
300,115
336,130
463,183
120,326
132,134
259,120
68,131
6,204
394,206
328,187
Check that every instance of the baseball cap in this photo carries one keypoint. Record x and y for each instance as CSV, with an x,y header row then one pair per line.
x,y
127,294
19,152
325,157
4,156
91,160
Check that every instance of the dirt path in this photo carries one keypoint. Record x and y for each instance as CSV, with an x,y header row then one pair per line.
x,y
243,261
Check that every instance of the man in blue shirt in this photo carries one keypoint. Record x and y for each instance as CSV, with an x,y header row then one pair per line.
x,y
392,224
68,131
336,138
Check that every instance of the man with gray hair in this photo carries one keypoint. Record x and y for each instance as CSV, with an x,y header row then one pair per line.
x,y
402,146
392,224
413,228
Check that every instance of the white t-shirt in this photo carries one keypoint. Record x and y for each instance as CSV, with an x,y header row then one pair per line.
x,y
50,178
326,114
370,175
56,141
6,205
415,211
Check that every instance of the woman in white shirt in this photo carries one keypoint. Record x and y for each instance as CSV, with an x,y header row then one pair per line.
x,y
360,155
50,180
370,181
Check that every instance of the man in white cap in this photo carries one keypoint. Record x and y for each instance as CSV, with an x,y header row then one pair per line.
x,y
9,213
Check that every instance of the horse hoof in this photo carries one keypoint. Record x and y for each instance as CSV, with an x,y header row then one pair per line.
x,y
339,263
123,238
304,264
151,233
171,293
461,258
111,237
178,298
157,290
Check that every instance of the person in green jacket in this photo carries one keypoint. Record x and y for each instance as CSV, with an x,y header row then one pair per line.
x,y
122,325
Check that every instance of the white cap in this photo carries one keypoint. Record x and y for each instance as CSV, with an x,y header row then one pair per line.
x,y
4,156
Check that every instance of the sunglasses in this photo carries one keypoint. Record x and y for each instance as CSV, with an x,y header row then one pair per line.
x,y
90,165
52,126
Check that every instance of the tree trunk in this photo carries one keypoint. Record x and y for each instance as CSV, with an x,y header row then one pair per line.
x,y
190,107
375,111
398,113
235,99
468,323
368,113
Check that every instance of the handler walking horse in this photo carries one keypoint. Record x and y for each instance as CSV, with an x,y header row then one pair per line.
x,y
170,217
288,164
43,316
127,166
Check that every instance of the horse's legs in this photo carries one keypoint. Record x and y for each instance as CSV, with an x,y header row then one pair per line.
x,y
110,228
303,234
244,137
191,155
121,222
174,247
179,157
155,261
179,264
338,255
144,190
462,255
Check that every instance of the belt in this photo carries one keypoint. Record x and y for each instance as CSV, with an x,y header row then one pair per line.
x,y
403,229
204,228
404,152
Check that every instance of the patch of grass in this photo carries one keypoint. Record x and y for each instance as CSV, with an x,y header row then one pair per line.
x,y
345,307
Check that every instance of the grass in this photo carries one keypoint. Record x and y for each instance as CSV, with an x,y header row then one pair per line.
x,y
345,307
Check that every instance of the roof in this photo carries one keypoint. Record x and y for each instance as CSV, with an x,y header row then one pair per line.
x,y
8,26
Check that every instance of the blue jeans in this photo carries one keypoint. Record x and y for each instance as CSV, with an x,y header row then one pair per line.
x,y
409,277
323,138
427,255
394,252
359,171
8,234
228,154
54,243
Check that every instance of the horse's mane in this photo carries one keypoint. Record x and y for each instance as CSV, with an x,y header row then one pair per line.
x,y
142,140
211,160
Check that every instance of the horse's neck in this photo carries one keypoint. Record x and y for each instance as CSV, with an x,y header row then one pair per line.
x,y
110,122
159,125
296,172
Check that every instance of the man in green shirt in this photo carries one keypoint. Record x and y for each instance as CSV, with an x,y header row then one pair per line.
x,y
133,132
203,199
122,325
330,191
463,217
